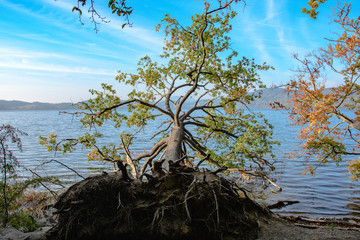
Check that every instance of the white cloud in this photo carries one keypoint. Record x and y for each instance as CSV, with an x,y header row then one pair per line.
x,y
135,36
16,53
62,4
26,65
270,10
17,58
258,41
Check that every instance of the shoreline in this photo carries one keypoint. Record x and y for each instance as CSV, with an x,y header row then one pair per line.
x,y
285,227
282,227
300,228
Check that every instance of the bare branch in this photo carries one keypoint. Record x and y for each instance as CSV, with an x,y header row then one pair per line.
x,y
130,161
71,169
214,129
154,152
164,130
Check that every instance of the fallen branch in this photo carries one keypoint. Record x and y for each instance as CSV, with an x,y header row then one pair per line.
x,y
281,204
255,173
71,169
324,222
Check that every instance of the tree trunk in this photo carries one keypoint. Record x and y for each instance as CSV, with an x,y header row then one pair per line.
x,y
173,150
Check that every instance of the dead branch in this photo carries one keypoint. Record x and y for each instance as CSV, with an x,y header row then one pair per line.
x,y
151,155
255,173
202,160
281,204
130,161
71,169
219,170
54,194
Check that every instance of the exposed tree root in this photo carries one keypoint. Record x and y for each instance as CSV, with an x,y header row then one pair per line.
x,y
180,205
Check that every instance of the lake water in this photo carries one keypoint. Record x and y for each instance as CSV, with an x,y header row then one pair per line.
x,y
329,193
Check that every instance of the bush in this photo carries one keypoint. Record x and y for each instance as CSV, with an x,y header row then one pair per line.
x,y
22,221
12,212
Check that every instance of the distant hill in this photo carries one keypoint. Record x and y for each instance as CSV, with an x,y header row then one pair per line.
x,y
20,105
271,95
268,95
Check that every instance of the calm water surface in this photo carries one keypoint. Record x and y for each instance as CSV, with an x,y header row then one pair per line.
x,y
328,193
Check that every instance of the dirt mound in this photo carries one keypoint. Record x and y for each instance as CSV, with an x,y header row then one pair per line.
x,y
179,205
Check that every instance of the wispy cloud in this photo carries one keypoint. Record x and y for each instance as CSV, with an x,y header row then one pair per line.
x,y
257,42
111,36
44,44
135,36
16,58
18,53
54,68
276,20
62,4
270,10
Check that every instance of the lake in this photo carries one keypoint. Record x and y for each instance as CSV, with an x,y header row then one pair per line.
x,y
329,193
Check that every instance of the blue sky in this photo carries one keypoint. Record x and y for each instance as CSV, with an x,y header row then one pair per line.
x,y
46,55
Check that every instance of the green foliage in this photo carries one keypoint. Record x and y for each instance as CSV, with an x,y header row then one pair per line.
x,y
10,204
12,189
198,89
117,7
23,221
326,148
8,165
313,4
330,224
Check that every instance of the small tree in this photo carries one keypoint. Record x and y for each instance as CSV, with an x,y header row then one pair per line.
x,y
201,88
12,189
9,164
320,112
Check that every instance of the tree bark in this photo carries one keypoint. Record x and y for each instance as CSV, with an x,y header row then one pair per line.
x,y
352,123
173,150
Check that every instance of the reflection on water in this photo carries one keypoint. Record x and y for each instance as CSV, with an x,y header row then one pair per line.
x,y
328,193
354,205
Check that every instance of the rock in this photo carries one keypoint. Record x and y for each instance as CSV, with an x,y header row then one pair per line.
x,y
11,234
39,234
14,234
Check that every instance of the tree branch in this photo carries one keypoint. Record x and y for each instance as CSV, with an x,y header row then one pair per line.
x,y
155,152
130,161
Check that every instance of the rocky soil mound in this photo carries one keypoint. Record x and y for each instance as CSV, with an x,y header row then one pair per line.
x,y
184,204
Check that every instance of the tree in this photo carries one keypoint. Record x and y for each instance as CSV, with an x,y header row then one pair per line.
x,y
199,87
322,112
12,213
8,165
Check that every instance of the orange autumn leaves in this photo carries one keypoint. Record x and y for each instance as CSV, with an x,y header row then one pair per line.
x,y
329,129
